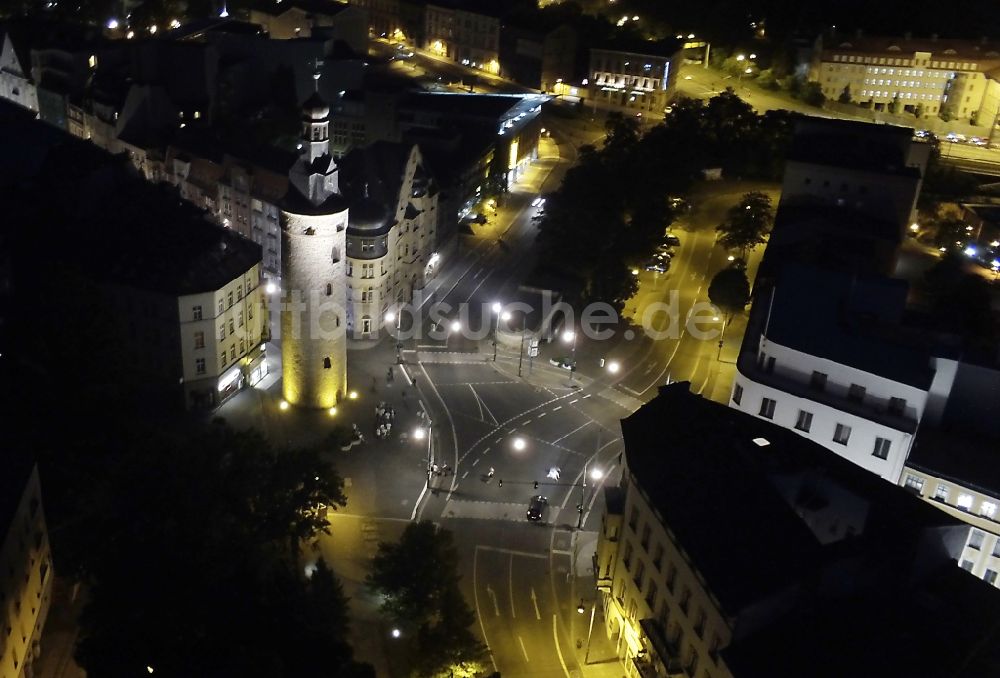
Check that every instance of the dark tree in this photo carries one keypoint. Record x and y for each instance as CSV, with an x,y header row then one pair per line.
x,y
845,95
747,224
730,289
417,578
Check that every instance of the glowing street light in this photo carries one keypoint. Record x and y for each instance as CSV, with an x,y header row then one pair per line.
x,y
455,326
519,444
332,411
613,367
396,633
283,405
353,395
271,288
497,307
569,336
420,433
596,474
741,57
112,24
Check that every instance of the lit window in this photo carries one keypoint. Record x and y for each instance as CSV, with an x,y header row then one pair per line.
x,y
914,483
964,501
941,492
199,366
988,509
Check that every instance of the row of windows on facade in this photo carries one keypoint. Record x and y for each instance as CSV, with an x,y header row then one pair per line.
x,y
199,363
942,493
989,576
902,95
197,312
659,606
818,382
942,76
637,82
199,336
891,61
804,419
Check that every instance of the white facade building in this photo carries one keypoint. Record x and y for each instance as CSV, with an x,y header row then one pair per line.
x,y
16,84
223,338
823,356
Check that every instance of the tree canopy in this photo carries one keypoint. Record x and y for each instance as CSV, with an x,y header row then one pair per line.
x,y
613,205
417,578
748,223
730,289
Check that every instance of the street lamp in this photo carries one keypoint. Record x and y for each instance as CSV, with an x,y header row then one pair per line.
x,y
396,633
570,336
498,312
454,327
419,434
613,367
519,444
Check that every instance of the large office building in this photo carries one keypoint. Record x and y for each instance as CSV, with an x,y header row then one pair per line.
x,y
950,79
638,77
26,578
734,547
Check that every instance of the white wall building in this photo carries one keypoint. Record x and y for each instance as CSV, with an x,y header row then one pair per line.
x,y
26,581
823,356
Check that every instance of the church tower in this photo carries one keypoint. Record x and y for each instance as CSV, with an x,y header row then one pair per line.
x,y
314,227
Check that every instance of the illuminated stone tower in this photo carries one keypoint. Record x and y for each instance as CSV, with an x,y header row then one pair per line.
x,y
314,228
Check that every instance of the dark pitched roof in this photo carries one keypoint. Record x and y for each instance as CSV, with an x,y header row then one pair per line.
x,y
737,492
371,178
662,48
143,235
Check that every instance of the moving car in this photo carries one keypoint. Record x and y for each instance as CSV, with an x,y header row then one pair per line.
x,y
563,362
536,508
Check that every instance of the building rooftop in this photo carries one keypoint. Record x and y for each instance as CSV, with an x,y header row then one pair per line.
x,y
848,319
661,48
110,223
741,494
853,145
944,625
897,47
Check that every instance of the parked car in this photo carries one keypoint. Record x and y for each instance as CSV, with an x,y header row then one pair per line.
x,y
978,141
660,265
955,137
536,508
672,240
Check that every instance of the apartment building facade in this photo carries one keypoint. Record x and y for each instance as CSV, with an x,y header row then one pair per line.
x,y
391,233
725,531
26,582
639,78
465,37
950,79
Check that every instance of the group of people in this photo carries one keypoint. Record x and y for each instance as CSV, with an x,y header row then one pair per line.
x,y
444,470
384,416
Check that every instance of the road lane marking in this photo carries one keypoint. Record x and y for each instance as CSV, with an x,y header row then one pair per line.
x,y
493,597
474,462
534,601
587,396
557,408
510,589
573,401
512,552
542,415
584,424
555,638
523,651
464,475
451,422
475,596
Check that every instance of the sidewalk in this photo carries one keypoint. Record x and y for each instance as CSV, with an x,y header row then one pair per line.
x,y
595,653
